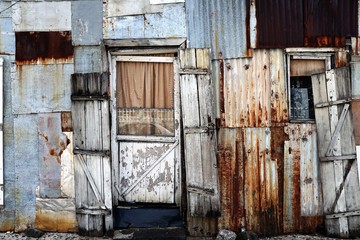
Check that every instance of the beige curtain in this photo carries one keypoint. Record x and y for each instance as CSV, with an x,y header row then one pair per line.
x,y
145,85
145,98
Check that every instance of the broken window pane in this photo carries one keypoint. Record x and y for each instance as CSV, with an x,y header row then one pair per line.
x,y
302,103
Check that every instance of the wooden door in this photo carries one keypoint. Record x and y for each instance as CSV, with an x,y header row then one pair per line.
x,y
336,147
91,121
199,133
146,129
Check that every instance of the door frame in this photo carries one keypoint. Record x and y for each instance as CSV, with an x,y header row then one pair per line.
x,y
114,57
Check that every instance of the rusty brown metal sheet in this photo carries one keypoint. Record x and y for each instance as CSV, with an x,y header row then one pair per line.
x,y
265,183
309,23
231,177
253,90
43,46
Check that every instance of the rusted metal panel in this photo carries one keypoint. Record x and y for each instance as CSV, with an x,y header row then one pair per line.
x,y
87,28
249,105
305,23
66,123
52,143
42,16
7,37
219,25
302,188
278,81
43,46
42,88
231,177
168,23
261,182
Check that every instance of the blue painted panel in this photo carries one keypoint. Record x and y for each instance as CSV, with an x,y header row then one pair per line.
x,y
88,59
42,88
26,169
86,28
7,36
169,23
220,25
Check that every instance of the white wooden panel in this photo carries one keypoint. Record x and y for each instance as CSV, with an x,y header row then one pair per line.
x,y
165,1
147,172
42,16
131,7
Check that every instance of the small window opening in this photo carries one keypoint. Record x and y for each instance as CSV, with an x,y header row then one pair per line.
x,y
302,103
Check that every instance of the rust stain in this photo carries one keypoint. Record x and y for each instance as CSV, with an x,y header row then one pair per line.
x,y
66,122
33,47
222,92
55,221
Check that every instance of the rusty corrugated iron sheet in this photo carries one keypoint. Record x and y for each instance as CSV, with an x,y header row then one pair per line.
x,y
219,25
305,23
43,46
265,186
302,207
259,98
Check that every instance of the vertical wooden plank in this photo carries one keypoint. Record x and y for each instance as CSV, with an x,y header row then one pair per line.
x,y
1,133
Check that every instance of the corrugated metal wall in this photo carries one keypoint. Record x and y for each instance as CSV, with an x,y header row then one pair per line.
x,y
305,23
219,25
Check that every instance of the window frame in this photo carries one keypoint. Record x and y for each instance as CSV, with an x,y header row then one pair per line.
x,y
326,54
140,55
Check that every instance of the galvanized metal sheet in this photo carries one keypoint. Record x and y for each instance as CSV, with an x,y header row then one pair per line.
x,y
116,8
219,25
26,169
86,28
88,59
7,37
42,88
249,105
5,13
166,24
42,16
56,215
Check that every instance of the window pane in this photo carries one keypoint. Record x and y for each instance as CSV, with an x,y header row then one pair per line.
x,y
145,98
302,103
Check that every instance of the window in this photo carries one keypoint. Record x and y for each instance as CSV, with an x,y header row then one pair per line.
x,y
145,95
301,67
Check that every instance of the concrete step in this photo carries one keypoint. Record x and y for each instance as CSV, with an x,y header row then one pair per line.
x,y
151,233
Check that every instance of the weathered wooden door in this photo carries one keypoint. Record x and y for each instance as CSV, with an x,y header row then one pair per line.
x,y
146,129
336,147
91,121
199,133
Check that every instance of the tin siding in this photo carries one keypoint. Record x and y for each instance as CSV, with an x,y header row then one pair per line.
x,y
219,25
169,23
305,23
86,28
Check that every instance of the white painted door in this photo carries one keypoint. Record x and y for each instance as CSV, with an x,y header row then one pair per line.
x,y
146,129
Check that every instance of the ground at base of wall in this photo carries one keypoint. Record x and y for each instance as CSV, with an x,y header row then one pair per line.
x,y
73,236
